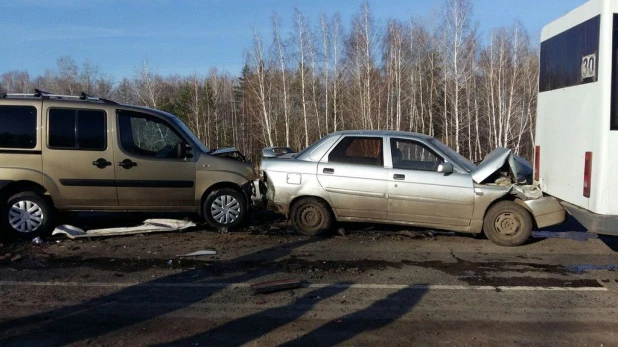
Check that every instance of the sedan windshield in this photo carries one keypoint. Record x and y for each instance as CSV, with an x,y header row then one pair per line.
x,y
454,156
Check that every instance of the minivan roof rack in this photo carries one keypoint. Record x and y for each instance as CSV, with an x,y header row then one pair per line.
x,y
86,96
38,93
23,95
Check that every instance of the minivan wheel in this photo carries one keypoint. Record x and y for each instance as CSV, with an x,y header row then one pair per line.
x,y
507,224
311,217
225,208
27,215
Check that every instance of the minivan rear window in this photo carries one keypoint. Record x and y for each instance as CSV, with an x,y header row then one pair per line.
x,y
77,129
18,127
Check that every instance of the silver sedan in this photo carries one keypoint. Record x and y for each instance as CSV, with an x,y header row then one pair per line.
x,y
408,179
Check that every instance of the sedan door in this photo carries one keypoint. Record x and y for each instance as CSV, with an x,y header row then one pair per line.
x,y
354,178
420,194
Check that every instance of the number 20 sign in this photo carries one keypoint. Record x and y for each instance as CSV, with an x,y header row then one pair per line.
x,y
589,67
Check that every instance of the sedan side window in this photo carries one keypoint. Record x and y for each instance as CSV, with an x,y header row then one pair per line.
x,y
411,155
358,150
148,136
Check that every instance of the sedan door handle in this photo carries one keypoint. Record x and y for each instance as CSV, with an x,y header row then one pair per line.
x,y
127,164
101,163
328,171
399,177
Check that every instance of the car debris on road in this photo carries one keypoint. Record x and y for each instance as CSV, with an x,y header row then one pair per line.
x,y
275,286
198,253
149,226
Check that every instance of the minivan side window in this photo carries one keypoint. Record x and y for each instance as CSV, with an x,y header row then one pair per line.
x,y
77,129
358,150
18,127
147,136
411,155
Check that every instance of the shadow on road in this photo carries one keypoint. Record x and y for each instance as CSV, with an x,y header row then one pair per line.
x,y
79,322
610,241
378,315
251,327
100,316
579,232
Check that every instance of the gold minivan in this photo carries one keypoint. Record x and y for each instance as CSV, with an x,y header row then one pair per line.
x,y
80,153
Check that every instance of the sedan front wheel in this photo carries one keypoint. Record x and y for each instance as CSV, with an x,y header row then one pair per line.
x,y
507,224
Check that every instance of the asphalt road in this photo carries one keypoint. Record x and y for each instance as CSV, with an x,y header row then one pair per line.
x,y
374,286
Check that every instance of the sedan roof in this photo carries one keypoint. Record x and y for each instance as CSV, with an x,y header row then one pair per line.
x,y
381,133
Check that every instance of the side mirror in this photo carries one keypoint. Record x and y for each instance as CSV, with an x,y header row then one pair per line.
x,y
445,168
182,150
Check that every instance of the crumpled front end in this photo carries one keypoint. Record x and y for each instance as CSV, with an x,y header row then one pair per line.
x,y
229,152
284,178
502,164
503,168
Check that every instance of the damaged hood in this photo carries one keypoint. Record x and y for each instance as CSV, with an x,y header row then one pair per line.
x,y
519,169
229,152
225,150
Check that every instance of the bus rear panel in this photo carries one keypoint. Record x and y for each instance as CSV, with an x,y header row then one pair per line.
x,y
576,149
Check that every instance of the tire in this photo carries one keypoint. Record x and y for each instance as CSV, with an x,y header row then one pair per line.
x,y
27,215
225,208
507,224
311,217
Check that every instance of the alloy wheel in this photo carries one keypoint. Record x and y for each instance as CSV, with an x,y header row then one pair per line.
x,y
225,209
26,216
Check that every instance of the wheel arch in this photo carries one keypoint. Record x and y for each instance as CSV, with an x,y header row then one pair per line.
x,y
24,186
517,201
315,197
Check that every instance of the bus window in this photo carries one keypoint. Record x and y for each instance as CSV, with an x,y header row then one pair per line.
x,y
561,56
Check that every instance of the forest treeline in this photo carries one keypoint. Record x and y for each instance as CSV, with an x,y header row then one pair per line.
x,y
433,74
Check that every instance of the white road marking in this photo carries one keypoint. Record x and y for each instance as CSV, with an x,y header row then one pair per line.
x,y
312,285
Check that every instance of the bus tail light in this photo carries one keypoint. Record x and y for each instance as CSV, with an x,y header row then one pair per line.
x,y
587,174
537,160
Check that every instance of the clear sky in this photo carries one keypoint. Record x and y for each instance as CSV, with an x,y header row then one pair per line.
x,y
183,37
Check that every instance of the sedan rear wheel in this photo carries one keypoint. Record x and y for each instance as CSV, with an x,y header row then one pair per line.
x,y
507,224
311,217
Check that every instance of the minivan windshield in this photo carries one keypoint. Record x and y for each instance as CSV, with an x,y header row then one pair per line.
x,y
454,156
189,133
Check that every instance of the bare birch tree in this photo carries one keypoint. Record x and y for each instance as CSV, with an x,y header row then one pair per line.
x,y
146,87
258,87
282,70
301,45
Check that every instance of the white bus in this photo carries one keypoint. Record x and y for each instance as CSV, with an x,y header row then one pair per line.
x,y
576,152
